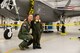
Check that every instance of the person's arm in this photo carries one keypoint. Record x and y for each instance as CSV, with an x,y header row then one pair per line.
x,y
32,22
41,27
25,29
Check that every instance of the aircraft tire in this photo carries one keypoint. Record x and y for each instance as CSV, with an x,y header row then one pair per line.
x,y
6,35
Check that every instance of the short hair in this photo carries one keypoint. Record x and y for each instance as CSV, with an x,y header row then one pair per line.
x,y
36,15
28,16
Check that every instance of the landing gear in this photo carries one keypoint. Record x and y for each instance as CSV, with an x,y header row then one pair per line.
x,y
8,33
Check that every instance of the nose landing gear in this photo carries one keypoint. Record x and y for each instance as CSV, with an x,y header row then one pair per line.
x,y
8,33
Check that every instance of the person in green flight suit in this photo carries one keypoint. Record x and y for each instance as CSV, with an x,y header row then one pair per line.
x,y
24,33
37,30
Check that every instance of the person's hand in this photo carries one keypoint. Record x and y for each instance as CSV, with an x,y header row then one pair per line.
x,y
30,34
25,40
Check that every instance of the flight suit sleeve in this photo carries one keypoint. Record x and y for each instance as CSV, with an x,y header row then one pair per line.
x,y
41,27
32,24
25,30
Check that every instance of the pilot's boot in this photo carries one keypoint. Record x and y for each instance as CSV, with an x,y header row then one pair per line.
x,y
34,46
21,48
25,44
38,46
22,45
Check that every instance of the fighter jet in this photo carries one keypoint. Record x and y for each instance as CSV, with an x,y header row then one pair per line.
x,y
13,8
50,14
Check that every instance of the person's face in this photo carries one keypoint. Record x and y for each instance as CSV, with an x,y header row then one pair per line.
x,y
37,17
30,17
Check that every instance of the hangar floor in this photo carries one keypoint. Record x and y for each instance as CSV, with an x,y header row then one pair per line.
x,y
50,42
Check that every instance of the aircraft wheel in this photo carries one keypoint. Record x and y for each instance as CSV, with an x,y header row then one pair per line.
x,y
7,34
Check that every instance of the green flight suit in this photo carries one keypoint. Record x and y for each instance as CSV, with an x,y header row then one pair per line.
x,y
24,35
37,30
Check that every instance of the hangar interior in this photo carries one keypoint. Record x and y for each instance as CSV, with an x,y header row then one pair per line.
x,y
51,11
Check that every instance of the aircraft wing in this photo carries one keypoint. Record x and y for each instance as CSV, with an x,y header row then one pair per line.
x,y
47,13
72,13
23,6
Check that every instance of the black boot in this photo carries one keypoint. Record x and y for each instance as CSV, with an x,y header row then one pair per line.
x,y
38,47
34,47
21,48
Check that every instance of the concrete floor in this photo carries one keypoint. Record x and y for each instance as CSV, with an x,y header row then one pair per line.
x,y
50,42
